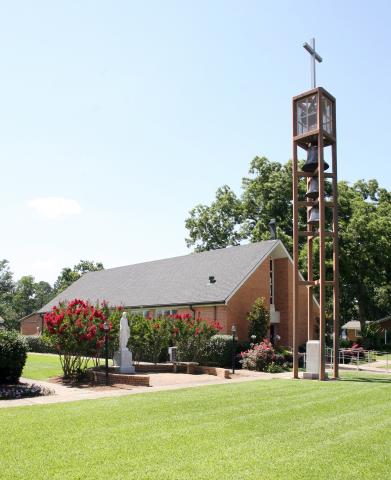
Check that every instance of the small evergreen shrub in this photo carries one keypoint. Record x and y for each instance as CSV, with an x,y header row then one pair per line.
x,y
258,320
13,354
40,344
218,351
345,343
275,367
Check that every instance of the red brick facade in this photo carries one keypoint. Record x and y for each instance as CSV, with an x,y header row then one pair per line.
x,y
31,324
257,285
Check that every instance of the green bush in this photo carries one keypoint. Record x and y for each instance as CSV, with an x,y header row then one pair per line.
x,y
219,351
13,354
275,367
372,337
258,320
39,344
344,343
149,338
192,335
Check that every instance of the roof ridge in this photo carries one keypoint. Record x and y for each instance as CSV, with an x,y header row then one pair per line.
x,y
228,247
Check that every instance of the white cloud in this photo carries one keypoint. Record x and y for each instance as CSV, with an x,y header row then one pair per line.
x,y
55,207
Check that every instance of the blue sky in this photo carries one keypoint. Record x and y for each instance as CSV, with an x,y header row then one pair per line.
x,y
116,118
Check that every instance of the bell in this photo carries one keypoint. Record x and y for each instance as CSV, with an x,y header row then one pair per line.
x,y
312,160
314,215
313,189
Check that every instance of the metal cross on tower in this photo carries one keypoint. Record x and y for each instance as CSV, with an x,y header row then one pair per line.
x,y
315,57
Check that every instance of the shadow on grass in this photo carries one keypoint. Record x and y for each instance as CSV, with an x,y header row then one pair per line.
x,y
369,379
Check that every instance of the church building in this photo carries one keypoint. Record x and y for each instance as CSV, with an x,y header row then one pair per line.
x,y
218,285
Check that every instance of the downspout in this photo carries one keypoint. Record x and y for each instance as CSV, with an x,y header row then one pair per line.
x,y
42,323
192,309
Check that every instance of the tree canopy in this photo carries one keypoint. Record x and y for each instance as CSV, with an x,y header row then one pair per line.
x,y
24,296
364,228
70,275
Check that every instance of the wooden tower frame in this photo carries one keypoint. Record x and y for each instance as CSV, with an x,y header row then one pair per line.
x,y
320,131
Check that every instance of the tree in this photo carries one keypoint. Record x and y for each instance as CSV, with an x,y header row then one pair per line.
x,y
365,244
365,231
7,286
43,293
258,320
215,226
24,296
77,330
266,195
29,295
6,279
70,275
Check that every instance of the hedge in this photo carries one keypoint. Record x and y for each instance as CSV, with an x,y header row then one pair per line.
x,y
13,354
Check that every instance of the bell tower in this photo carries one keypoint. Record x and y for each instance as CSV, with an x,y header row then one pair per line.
x,y
314,132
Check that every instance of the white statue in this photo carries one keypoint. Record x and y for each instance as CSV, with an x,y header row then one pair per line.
x,y
124,332
123,358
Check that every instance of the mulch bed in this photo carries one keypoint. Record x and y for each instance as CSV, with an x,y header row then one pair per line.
x,y
23,390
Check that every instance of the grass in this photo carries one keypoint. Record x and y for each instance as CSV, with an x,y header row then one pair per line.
x,y
41,366
277,429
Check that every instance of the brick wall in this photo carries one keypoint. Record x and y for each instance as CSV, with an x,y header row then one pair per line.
x,y
29,325
257,285
99,378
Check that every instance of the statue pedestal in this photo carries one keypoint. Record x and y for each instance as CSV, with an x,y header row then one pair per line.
x,y
123,358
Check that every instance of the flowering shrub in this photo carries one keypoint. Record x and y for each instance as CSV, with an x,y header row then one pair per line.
x,y
191,336
150,337
78,333
76,329
261,357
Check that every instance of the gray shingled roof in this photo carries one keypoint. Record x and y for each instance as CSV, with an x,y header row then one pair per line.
x,y
352,325
173,281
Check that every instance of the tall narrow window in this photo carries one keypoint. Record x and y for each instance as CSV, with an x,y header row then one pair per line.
x,y
271,281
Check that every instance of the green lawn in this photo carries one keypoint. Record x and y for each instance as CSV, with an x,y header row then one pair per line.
x,y
278,429
41,366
